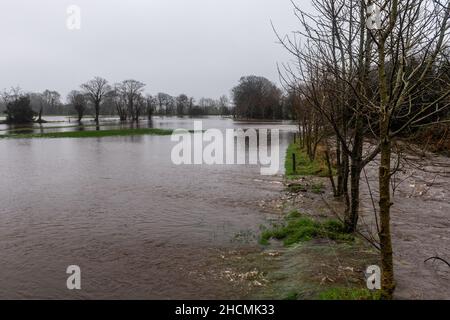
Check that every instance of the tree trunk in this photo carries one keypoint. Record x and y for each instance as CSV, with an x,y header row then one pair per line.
x,y
97,111
351,221
345,174
387,264
355,176
40,115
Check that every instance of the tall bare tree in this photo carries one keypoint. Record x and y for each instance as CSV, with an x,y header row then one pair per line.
x,y
132,90
410,42
78,101
96,90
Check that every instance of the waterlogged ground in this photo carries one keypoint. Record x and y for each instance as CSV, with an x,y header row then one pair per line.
x,y
137,225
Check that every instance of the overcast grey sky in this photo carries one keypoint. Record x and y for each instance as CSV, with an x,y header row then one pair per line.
x,y
197,47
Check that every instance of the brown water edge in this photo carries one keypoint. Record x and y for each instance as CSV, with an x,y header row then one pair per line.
x,y
304,270
421,229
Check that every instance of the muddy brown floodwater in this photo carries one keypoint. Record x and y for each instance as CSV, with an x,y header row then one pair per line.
x,y
137,225
420,225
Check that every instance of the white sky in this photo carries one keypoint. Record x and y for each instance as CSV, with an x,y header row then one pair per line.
x,y
197,47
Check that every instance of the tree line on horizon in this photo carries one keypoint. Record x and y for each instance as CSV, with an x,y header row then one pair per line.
x,y
253,98
97,97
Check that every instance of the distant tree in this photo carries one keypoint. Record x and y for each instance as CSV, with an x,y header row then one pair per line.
x,y
52,99
224,103
79,103
191,105
151,103
37,103
132,90
96,90
139,106
257,98
19,110
164,102
208,106
182,104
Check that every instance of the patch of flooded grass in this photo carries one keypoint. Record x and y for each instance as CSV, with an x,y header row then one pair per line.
x,y
342,293
298,228
92,133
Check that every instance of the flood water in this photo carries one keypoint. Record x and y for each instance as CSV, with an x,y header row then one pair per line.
x,y
136,224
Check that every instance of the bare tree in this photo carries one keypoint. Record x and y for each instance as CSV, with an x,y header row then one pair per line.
x,y
411,29
78,101
132,90
96,90
372,82
151,103
164,102
182,104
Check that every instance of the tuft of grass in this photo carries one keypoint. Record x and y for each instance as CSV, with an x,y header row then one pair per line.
x,y
294,214
303,166
298,228
291,296
92,133
340,293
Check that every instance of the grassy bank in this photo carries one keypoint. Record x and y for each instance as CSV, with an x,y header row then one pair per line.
x,y
91,134
303,165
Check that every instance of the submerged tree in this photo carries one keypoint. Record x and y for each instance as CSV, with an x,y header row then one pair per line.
x,y
131,91
18,107
151,103
79,103
96,90
182,104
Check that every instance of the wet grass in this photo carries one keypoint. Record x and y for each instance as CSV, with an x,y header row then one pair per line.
x,y
342,293
91,134
303,165
298,228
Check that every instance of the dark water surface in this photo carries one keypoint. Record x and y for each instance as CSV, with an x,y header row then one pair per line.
x,y
136,224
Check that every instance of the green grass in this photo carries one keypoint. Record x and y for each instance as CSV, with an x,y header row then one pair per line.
x,y
303,166
298,228
91,134
340,293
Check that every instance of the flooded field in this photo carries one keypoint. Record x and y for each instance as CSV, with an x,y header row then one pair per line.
x,y
137,225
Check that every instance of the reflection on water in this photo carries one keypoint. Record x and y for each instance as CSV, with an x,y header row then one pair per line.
x,y
136,224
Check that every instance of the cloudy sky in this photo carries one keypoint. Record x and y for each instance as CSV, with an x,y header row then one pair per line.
x,y
197,47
